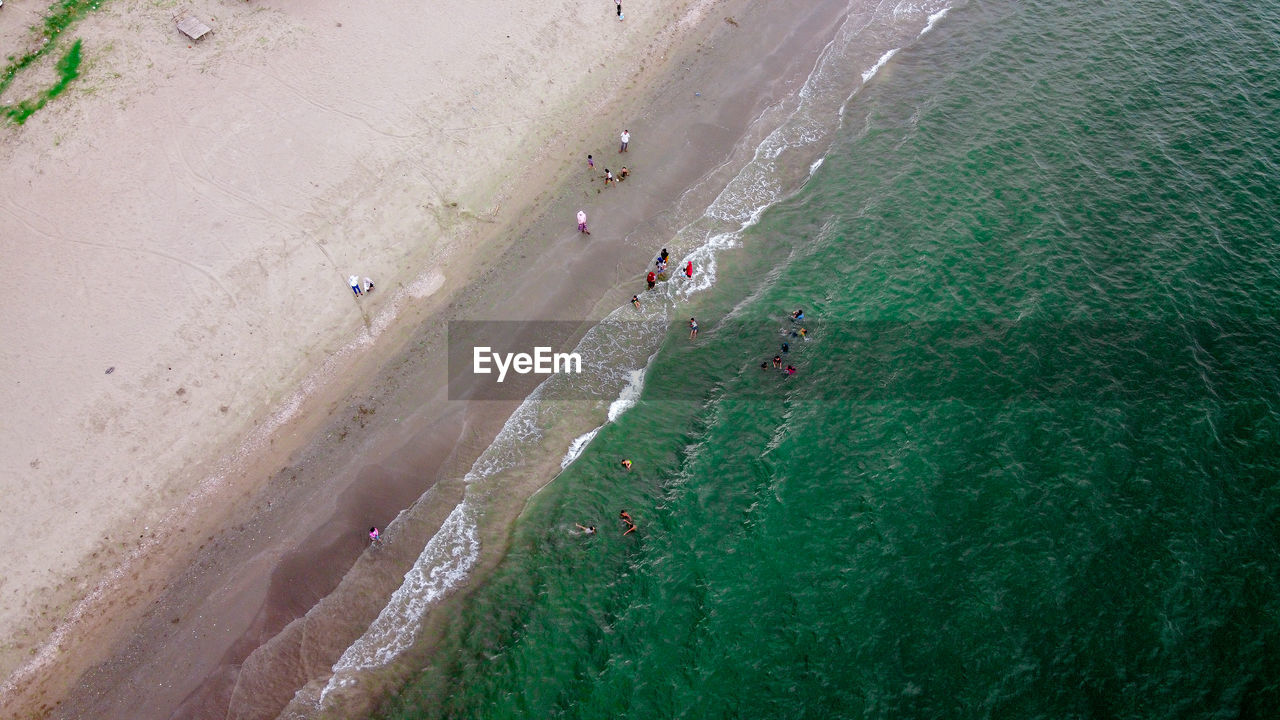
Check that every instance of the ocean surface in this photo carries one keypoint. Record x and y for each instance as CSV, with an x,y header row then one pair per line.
x,y
1027,466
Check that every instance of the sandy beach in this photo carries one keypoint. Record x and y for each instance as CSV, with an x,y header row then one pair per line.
x,y
201,418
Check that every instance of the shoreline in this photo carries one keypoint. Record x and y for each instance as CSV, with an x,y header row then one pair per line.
x,y
467,424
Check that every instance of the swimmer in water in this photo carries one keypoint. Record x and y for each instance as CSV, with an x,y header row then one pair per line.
x,y
693,329
777,361
626,464
798,315
804,333
791,370
587,530
625,516
631,527
786,348
764,365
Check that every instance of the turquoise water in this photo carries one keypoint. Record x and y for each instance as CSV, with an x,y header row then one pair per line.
x,y
1028,466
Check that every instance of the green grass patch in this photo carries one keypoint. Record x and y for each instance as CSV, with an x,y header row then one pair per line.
x,y
62,15
68,70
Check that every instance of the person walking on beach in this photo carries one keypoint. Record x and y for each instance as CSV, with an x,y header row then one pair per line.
x,y
652,279
375,537
582,223
608,177
693,329
619,2
635,300
688,270
625,138
591,164
354,282
368,285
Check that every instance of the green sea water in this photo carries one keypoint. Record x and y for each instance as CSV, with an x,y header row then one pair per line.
x,y
1028,465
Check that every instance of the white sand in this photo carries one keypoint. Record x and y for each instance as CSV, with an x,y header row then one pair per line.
x,y
188,215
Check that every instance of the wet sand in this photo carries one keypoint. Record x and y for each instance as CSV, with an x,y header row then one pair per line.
x,y
277,581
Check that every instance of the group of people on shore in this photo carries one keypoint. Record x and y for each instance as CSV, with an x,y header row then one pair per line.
x,y
659,273
609,177
360,288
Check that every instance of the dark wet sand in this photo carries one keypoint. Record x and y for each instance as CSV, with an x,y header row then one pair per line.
x,y
227,637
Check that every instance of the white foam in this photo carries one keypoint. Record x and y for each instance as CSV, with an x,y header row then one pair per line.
x,y
630,394
444,562
933,20
867,75
577,447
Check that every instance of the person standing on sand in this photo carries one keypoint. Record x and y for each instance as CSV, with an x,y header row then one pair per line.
x,y
626,140
688,270
652,279
582,222
619,2
354,282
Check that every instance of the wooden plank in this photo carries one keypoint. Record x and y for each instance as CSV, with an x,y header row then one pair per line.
x,y
193,28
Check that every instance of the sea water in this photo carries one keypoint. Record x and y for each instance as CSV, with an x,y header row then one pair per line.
x,y
1027,466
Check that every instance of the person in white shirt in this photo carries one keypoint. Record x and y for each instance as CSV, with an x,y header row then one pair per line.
x,y
626,138
354,280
